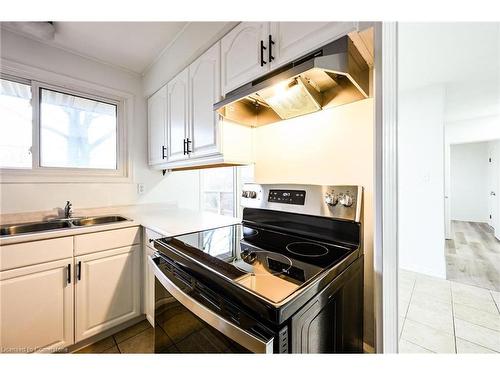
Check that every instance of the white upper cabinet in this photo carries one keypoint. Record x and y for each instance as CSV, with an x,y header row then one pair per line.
x,y
157,127
37,307
177,116
295,39
204,86
243,57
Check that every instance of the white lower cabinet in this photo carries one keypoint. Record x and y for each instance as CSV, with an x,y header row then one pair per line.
x,y
107,290
36,307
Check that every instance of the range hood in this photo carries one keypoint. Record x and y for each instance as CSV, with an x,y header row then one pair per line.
x,y
333,75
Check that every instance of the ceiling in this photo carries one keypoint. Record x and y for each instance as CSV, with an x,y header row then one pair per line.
x,y
129,45
431,53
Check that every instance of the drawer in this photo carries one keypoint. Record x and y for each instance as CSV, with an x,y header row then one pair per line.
x,y
150,235
35,252
110,239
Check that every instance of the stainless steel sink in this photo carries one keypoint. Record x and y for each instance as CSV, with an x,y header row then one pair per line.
x,y
98,220
43,226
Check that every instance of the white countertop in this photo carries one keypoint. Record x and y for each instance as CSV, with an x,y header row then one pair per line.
x,y
167,221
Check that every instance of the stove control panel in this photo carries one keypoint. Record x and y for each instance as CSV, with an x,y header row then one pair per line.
x,y
287,196
335,201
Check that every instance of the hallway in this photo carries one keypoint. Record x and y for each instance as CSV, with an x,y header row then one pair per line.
x,y
473,255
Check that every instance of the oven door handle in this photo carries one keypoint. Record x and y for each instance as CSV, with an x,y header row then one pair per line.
x,y
227,328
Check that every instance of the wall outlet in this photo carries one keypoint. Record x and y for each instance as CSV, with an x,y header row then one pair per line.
x,y
141,188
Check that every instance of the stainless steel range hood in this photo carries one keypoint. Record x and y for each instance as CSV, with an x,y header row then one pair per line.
x,y
333,75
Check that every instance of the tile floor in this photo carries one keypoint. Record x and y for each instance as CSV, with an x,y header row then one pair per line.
x,y
135,339
441,316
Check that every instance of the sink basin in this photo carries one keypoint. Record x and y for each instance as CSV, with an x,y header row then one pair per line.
x,y
9,230
98,220
43,226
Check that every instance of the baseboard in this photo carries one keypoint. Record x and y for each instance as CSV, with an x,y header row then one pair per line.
x,y
91,340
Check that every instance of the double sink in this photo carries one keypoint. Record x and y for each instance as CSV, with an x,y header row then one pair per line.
x,y
43,226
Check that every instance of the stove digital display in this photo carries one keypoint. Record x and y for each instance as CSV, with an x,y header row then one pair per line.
x,y
287,196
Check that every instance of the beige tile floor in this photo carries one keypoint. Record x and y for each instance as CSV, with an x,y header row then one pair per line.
x,y
441,316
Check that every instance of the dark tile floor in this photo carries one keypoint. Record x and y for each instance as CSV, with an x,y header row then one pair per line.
x,y
135,339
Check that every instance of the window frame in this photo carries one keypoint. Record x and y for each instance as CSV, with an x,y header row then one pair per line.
x,y
65,85
235,177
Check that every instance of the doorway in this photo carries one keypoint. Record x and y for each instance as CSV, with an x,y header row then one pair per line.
x,y
448,182
472,248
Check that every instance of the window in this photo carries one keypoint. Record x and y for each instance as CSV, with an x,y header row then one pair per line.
x,y
217,190
76,132
15,125
219,187
46,130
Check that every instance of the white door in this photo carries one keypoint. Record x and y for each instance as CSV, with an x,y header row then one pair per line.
x,y
107,290
493,180
204,85
242,58
36,307
157,124
177,114
295,39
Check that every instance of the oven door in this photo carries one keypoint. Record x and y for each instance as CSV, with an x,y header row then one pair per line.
x,y
190,318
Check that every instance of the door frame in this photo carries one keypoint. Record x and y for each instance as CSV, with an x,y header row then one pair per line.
x,y
386,188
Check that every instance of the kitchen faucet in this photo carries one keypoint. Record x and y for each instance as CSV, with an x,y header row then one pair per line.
x,y
67,210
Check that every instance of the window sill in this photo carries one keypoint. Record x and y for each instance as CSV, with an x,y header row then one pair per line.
x,y
10,176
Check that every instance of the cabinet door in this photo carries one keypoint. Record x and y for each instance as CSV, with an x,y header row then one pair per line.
x,y
157,124
108,290
295,39
36,307
241,54
204,85
178,115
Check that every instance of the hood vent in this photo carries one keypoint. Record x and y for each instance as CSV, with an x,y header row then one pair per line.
x,y
333,75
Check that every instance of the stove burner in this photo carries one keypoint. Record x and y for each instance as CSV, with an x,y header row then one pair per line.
x,y
307,249
263,263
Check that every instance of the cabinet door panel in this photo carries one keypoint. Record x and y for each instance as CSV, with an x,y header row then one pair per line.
x,y
108,292
241,55
36,307
157,122
294,39
204,79
178,115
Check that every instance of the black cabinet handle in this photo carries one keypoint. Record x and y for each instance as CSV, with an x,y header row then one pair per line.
x,y
163,149
79,270
185,146
262,48
69,274
271,57
188,151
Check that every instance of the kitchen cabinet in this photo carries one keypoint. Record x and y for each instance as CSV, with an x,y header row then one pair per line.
x,y
295,39
107,289
242,54
157,127
36,305
149,278
204,91
196,134
177,116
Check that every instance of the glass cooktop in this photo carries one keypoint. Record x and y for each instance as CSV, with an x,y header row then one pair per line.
x,y
269,263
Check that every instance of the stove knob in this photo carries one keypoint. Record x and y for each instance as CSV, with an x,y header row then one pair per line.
x,y
252,194
331,199
245,194
346,200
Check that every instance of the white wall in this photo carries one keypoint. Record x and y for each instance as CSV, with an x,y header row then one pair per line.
x,y
334,146
36,197
469,187
196,39
421,180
